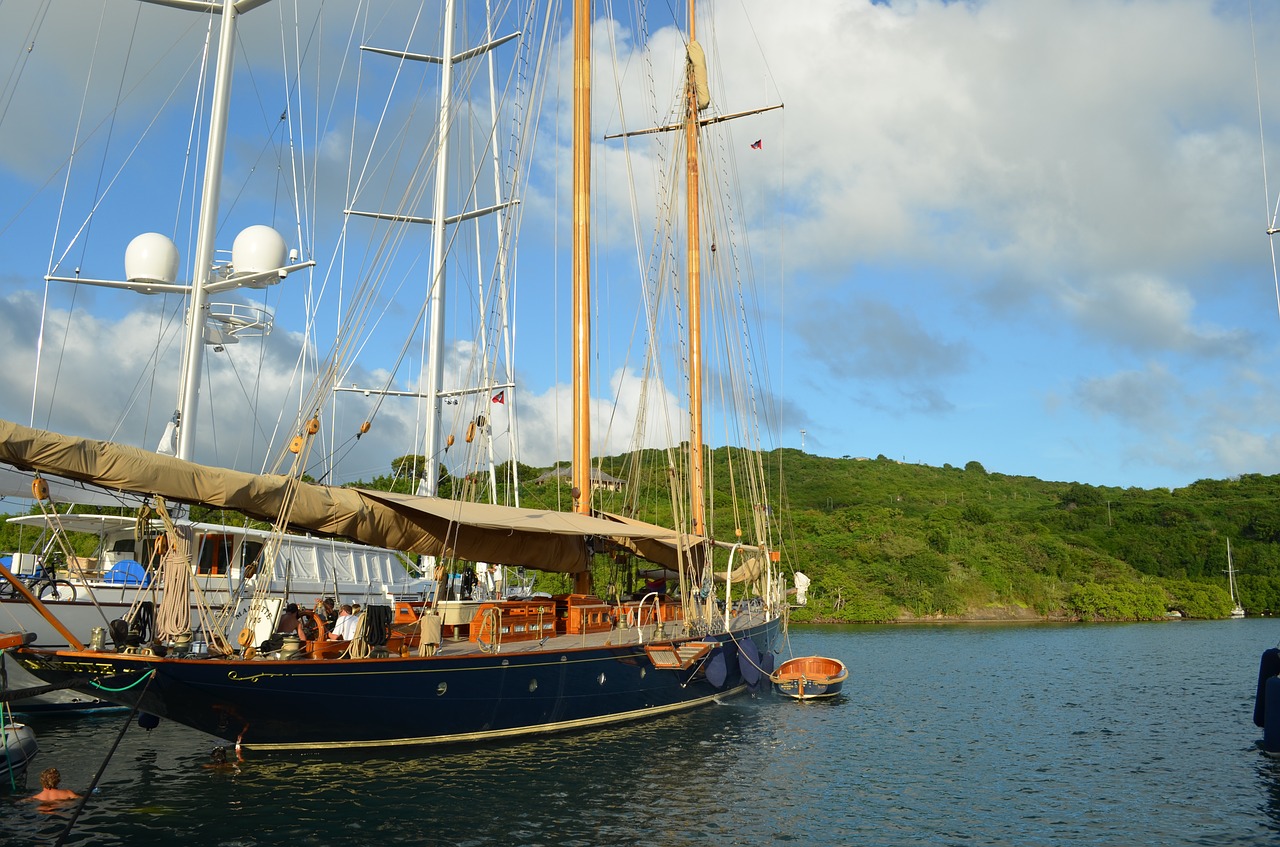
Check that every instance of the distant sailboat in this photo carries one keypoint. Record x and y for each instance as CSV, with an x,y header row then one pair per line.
x,y
1237,611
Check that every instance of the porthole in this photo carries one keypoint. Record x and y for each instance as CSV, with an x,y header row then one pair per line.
x,y
442,688
600,679
533,685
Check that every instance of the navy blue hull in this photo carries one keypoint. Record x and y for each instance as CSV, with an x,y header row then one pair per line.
x,y
370,702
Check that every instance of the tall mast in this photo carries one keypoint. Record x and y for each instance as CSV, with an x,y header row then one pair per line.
x,y
435,335
193,353
581,266
694,283
503,292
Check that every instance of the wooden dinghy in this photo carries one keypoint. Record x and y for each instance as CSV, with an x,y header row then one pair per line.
x,y
810,677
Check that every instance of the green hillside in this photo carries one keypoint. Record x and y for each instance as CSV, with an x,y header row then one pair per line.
x,y
882,540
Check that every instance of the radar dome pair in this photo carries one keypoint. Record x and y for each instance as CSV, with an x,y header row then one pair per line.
x,y
152,257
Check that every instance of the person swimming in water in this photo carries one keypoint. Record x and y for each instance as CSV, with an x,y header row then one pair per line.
x,y
49,790
219,759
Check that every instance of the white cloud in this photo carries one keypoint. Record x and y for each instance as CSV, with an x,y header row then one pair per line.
x,y
1082,177
1145,313
1145,397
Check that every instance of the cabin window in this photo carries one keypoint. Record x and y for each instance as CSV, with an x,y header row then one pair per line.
x,y
215,555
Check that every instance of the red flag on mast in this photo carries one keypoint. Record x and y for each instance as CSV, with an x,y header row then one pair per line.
x,y
758,145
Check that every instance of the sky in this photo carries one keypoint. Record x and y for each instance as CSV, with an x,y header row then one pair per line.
x,y
1031,235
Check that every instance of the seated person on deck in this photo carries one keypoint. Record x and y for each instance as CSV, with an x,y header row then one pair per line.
x,y
325,609
345,628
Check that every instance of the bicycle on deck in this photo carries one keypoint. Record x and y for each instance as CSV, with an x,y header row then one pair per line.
x,y
42,583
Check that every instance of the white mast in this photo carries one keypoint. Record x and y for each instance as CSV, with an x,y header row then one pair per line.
x,y
265,262
435,338
193,353
1237,611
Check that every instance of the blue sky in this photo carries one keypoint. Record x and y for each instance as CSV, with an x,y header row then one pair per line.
x,y
1026,234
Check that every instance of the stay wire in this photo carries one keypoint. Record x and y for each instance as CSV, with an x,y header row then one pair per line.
x,y
1262,142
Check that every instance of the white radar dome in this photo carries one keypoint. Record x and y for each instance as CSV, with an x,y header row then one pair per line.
x,y
258,249
151,257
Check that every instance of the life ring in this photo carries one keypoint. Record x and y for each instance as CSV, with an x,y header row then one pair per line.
x,y
245,637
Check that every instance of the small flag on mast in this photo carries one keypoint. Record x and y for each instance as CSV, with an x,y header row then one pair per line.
x,y
758,145
500,397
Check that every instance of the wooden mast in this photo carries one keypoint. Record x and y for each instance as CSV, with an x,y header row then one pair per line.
x,y
694,284
581,268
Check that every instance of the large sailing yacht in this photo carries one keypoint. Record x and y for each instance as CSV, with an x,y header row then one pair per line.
x,y
410,675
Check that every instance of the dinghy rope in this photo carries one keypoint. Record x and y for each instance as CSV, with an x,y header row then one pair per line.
x,y
144,678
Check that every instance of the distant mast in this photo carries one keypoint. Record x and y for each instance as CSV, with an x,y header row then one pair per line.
x,y
1237,611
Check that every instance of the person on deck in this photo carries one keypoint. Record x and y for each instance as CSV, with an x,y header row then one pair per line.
x,y
345,627
288,620
657,586
49,790
325,607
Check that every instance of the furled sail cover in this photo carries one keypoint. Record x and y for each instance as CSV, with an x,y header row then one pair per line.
x,y
699,61
747,568
549,541
671,551
492,533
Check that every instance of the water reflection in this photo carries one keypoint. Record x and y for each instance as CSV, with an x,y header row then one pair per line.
x,y
1268,772
1048,735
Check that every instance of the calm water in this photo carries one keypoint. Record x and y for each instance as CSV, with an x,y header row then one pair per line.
x,y
955,735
